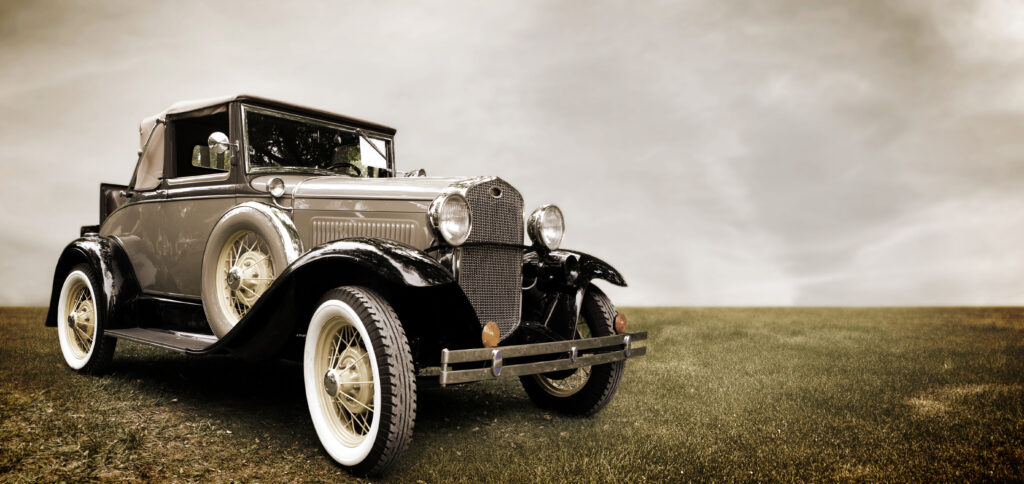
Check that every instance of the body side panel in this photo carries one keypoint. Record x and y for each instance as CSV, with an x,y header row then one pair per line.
x,y
165,239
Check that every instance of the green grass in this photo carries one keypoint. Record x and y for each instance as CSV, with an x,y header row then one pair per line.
x,y
723,395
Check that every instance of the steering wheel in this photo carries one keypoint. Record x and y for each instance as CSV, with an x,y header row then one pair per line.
x,y
345,164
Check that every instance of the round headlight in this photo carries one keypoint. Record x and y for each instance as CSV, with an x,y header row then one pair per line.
x,y
451,218
276,187
546,226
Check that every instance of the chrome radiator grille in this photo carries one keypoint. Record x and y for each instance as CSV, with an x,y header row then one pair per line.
x,y
492,276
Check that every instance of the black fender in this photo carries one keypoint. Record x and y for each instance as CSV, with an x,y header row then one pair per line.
x,y
591,268
110,262
555,283
423,292
566,270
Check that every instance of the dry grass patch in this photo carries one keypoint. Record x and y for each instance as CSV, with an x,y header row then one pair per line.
x,y
932,394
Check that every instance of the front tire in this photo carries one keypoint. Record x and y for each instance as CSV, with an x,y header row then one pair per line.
x,y
587,390
81,315
358,375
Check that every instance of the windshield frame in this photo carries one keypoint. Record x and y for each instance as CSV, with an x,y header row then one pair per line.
x,y
389,142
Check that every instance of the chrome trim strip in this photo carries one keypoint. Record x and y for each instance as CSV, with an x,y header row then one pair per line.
x,y
181,180
207,338
361,197
173,295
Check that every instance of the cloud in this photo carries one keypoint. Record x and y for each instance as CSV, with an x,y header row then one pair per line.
x,y
716,153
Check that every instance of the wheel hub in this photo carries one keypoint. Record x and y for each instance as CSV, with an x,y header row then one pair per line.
x,y
81,317
351,381
249,277
234,278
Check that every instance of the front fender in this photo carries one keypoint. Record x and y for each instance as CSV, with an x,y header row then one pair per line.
x,y
559,280
393,269
593,268
108,259
567,269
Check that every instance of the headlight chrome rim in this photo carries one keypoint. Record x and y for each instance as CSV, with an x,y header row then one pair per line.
x,y
536,225
441,211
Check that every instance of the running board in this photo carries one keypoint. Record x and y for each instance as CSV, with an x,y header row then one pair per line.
x,y
178,341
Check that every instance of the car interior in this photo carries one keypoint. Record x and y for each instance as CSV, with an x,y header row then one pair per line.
x,y
189,150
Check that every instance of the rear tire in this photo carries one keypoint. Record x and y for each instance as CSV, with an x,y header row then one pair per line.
x,y
358,375
577,393
81,315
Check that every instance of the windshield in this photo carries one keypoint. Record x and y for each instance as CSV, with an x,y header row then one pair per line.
x,y
280,142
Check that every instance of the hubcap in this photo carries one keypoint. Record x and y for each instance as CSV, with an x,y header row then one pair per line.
x,y
234,278
346,381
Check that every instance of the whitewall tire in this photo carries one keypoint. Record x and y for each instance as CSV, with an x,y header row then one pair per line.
x,y
81,315
359,381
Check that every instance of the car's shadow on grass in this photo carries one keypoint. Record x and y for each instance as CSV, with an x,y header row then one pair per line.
x,y
268,397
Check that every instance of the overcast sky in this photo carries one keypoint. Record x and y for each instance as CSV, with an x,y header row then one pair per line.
x,y
717,153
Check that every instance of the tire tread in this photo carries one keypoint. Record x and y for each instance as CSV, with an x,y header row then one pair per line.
x,y
397,385
604,379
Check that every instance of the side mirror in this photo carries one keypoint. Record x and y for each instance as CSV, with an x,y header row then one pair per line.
x,y
218,142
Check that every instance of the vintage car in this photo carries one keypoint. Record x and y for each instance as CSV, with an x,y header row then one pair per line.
x,y
266,230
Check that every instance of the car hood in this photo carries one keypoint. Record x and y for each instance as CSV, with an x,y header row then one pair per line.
x,y
412,188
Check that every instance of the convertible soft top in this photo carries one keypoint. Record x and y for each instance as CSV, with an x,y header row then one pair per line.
x,y
151,164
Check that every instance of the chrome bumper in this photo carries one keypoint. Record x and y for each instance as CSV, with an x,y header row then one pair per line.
x,y
559,355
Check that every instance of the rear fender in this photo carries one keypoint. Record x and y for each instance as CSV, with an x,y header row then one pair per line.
x,y
108,259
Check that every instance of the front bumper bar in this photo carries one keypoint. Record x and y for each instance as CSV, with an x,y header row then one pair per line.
x,y
555,356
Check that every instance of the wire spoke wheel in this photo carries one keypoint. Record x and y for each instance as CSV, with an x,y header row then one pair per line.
x,y
358,374
80,322
245,269
80,308
574,382
348,386
584,391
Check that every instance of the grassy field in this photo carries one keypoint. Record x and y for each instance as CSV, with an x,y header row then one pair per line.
x,y
724,395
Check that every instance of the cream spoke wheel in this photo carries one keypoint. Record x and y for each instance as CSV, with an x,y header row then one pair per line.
x,y
80,317
249,247
245,271
584,391
570,384
358,375
79,327
348,381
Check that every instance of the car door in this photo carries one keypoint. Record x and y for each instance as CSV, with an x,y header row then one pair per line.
x,y
164,231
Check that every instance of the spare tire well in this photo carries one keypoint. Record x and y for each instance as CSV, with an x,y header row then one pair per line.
x,y
248,248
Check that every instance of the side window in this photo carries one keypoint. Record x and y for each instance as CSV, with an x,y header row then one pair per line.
x,y
192,156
